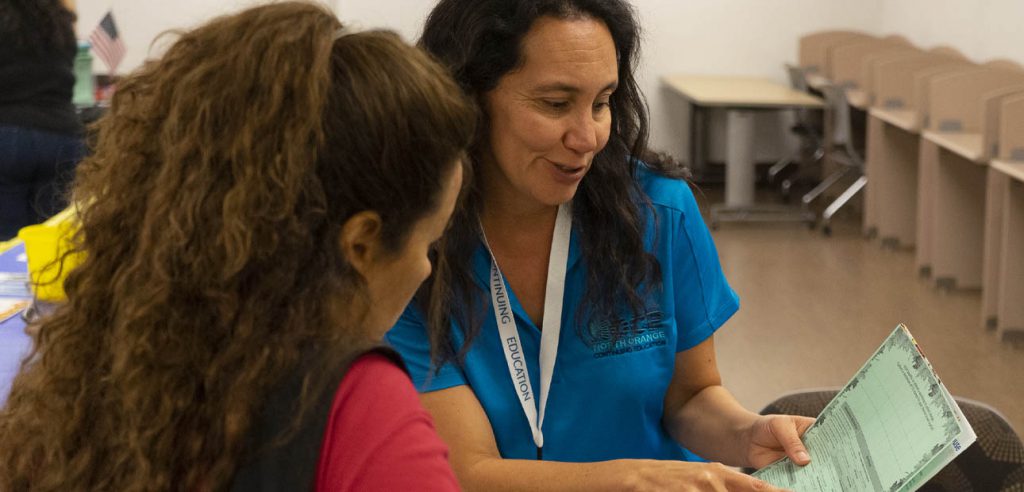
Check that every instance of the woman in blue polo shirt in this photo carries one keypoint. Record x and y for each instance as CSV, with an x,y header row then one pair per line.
x,y
566,338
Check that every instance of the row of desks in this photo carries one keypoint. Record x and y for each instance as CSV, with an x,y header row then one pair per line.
x,y
945,160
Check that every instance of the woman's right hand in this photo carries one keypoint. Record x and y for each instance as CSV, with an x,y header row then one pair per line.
x,y
657,475
474,455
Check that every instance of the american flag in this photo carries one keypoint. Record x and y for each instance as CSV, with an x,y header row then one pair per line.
x,y
107,43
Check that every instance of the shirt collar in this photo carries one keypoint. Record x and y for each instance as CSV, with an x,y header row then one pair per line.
x,y
481,260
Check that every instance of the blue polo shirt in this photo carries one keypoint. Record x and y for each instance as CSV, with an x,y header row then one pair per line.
x,y
606,397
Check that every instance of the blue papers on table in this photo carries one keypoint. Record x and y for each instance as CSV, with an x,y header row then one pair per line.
x,y
14,271
893,427
12,307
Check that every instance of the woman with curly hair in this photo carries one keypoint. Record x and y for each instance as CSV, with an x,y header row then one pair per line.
x,y
40,134
258,210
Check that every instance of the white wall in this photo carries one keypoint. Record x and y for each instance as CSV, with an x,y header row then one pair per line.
x,y
404,16
736,37
746,37
140,22
981,29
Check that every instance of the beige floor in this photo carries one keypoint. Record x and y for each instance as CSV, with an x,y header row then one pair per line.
x,y
814,308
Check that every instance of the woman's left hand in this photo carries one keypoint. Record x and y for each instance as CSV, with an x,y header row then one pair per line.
x,y
772,437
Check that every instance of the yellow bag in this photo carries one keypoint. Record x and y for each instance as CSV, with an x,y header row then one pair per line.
x,y
45,247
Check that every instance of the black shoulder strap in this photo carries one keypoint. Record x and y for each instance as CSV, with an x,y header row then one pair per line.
x,y
292,465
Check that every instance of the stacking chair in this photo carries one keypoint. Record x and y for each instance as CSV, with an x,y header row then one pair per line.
x,y
842,152
811,141
995,463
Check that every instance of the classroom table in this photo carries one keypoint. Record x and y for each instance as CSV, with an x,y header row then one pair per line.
x,y
864,94
893,140
14,342
815,53
14,345
741,97
951,200
890,198
853,68
956,147
1003,275
1005,228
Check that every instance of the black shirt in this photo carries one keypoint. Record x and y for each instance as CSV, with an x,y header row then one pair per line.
x,y
291,465
36,88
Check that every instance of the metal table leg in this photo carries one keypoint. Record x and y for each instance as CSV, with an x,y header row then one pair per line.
x,y
740,176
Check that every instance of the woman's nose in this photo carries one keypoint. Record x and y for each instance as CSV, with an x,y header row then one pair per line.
x,y
581,135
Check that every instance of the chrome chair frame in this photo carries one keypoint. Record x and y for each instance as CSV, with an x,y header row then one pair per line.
x,y
842,152
811,141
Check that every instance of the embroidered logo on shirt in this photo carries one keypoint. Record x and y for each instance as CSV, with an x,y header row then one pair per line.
x,y
649,332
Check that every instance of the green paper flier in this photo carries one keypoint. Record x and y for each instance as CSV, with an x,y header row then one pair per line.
x,y
891,428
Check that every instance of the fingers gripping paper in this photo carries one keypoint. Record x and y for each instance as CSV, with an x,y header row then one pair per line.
x,y
891,428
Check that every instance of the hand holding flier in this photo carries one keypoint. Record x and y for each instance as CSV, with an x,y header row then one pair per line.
x,y
891,428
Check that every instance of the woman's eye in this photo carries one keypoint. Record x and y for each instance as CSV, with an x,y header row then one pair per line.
x,y
556,104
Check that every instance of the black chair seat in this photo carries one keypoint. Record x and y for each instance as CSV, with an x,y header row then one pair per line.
x,y
994,463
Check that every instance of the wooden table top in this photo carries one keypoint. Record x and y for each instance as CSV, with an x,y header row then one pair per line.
x,y
902,118
739,92
970,146
1015,169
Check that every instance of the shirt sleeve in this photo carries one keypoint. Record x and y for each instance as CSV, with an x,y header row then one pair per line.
x,y
409,338
704,300
379,436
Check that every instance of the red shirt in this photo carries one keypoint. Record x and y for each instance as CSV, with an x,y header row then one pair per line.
x,y
379,436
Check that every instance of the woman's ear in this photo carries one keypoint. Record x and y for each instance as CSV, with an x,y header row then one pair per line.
x,y
360,241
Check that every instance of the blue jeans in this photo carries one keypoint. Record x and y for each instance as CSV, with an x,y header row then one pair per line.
x,y
36,171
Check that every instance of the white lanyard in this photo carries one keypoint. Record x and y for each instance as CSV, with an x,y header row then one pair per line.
x,y
510,341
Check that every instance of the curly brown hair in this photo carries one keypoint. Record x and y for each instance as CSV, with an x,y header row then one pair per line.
x,y
210,215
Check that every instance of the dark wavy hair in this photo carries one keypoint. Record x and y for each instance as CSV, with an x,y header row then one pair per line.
x,y
210,214
480,41
40,25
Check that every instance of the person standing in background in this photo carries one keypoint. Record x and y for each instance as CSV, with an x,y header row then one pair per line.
x,y
40,134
